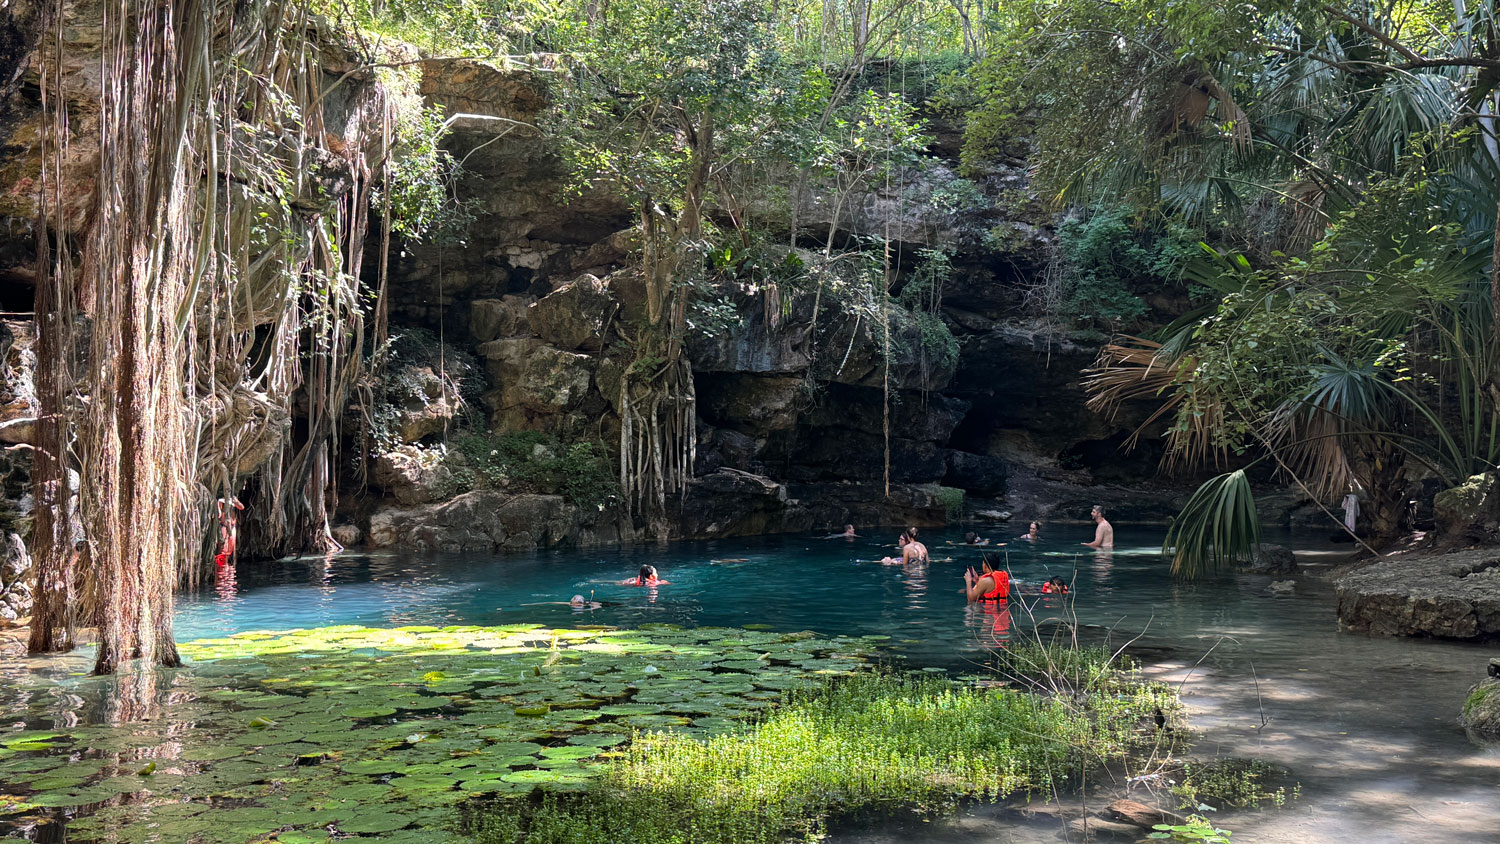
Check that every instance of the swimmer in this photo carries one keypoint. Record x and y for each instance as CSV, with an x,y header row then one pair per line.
x,y
972,538
849,532
1033,533
912,551
1104,534
1055,586
578,602
988,584
646,577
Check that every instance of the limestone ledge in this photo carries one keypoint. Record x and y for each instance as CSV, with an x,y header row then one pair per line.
x,y
725,503
1454,596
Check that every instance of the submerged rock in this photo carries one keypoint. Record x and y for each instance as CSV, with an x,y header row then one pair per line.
x,y
1453,596
1273,559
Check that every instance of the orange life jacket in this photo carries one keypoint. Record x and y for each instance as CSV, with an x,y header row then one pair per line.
x,y
1002,586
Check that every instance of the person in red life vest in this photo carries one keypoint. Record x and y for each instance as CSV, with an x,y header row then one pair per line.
x,y
1055,586
988,584
646,577
229,527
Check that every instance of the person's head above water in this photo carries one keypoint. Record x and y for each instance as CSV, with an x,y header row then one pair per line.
x,y
646,573
848,530
905,538
986,565
911,532
1097,514
971,537
577,601
1035,527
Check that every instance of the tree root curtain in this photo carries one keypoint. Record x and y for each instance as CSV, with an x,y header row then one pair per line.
x,y
217,285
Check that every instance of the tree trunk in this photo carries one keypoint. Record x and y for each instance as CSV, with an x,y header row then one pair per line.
x,y
52,523
139,464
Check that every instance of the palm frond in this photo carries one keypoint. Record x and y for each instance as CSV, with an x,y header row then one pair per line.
x,y
1218,526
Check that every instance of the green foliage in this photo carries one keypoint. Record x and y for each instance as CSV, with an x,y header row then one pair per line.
x,y
531,461
1060,665
422,175
1196,830
1110,258
1237,783
922,295
952,500
866,743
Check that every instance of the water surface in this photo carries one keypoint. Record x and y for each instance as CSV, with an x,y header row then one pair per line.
x,y
1366,725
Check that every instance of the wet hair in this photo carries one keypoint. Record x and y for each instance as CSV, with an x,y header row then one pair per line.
x,y
646,573
912,532
908,535
987,563
578,600
1057,581
971,537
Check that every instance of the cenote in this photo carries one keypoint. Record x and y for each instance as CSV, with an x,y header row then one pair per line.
x,y
1353,720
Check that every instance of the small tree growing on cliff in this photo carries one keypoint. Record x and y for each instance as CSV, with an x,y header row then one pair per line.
x,y
662,98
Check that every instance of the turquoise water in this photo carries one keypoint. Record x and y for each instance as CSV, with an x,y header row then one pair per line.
x,y
1367,726
788,583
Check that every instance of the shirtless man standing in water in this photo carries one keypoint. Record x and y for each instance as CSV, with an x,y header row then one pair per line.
x,y
1104,534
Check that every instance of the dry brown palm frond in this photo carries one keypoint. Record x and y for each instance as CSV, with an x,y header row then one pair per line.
x,y
1191,100
1311,442
1134,368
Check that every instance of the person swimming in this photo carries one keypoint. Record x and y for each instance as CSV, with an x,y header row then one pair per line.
x,y
1033,533
988,584
1104,532
645,577
972,538
578,602
1055,586
912,551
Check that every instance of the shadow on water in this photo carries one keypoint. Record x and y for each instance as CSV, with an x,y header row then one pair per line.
x,y
1367,726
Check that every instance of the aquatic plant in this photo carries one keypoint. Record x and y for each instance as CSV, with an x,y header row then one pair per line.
x,y
869,743
1195,829
1238,783
378,731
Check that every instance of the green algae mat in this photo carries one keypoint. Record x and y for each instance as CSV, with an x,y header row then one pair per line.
x,y
366,734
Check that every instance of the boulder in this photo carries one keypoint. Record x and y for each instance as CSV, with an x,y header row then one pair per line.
x,y
484,520
412,475
754,405
1273,559
347,535
1481,710
1141,815
535,383
15,591
492,319
1469,512
1453,596
574,316
976,473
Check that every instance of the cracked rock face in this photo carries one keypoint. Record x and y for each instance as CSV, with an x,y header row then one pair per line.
x,y
1454,596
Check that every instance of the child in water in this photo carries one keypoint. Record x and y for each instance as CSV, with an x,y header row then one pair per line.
x,y
646,577
1055,586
